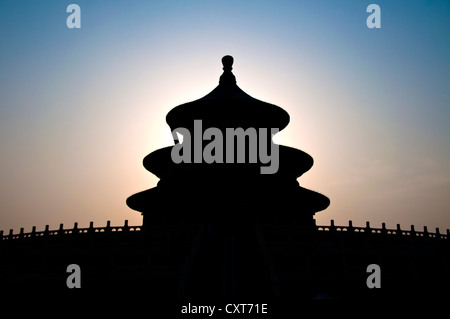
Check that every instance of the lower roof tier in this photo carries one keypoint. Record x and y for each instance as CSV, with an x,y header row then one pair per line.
x,y
226,197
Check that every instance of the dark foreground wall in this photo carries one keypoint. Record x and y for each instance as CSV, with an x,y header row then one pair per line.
x,y
274,263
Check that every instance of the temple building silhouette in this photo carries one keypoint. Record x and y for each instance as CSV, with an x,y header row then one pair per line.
x,y
225,232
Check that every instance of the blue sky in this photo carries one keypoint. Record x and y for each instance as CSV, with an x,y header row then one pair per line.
x,y
80,108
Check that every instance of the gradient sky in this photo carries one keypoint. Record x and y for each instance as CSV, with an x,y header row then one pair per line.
x,y
81,108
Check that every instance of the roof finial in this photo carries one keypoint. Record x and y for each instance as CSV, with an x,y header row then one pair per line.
x,y
227,62
227,77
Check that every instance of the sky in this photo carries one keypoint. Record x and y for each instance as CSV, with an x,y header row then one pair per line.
x,y
81,107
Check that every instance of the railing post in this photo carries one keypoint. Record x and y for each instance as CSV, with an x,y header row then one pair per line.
x,y
383,228
33,231
399,230
413,231
448,233
1,235
46,231
11,233
125,226
425,231
75,228
368,230
91,227
350,226
332,228
438,234
61,229
21,234
108,226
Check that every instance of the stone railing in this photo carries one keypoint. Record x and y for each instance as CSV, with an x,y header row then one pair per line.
x,y
74,230
125,228
384,231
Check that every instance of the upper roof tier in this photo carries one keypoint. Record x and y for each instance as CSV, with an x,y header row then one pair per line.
x,y
228,106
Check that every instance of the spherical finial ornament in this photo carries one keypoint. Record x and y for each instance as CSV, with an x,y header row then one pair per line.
x,y
227,78
227,62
